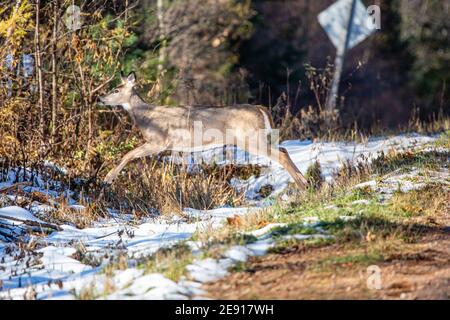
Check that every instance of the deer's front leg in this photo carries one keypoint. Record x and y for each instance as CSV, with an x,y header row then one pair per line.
x,y
142,151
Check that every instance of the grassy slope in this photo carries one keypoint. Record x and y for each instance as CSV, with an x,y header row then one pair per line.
x,y
403,233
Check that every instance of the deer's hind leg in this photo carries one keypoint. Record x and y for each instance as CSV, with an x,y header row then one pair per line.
x,y
145,150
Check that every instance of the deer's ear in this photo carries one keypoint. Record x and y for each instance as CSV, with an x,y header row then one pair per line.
x,y
131,78
122,77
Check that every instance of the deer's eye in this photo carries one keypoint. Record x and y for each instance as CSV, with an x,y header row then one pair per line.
x,y
116,91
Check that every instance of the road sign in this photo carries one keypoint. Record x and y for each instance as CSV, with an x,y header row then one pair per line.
x,y
335,21
347,23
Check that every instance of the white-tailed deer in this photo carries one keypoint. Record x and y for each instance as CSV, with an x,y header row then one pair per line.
x,y
187,128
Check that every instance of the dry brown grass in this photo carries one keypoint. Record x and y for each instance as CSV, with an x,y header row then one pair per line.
x,y
80,218
431,202
169,188
235,227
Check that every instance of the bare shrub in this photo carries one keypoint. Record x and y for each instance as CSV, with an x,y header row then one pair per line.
x,y
312,121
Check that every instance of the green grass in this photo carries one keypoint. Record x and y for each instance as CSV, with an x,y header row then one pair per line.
x,y
287,244
293,228
314,176
239,267
327,206
376,230
364,259
443,141
170,262
390,218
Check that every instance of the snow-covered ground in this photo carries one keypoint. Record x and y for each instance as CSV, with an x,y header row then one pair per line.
x,y
330,155
50,267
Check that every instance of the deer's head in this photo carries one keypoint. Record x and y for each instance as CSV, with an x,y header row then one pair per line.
x,y
121,95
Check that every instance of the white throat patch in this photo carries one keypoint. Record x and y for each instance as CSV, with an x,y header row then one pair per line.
x,y
126,106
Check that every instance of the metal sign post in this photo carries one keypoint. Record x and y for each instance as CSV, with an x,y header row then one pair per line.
x,y
339,63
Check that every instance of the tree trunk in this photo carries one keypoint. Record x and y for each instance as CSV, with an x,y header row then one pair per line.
x,y
54,70
162,37
40,79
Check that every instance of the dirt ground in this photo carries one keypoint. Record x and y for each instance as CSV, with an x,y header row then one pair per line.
x,y
417,271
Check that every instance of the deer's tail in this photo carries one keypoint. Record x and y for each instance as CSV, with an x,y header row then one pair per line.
x,y
268,120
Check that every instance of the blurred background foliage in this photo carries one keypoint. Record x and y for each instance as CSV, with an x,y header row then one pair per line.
x,y
231,51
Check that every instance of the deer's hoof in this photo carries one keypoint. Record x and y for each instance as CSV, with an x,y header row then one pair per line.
x,y
109,179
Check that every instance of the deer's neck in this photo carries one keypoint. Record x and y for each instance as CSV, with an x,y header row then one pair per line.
x,y
136,101
136,106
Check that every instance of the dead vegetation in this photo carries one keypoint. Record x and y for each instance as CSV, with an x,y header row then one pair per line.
x,y
147,187
151,187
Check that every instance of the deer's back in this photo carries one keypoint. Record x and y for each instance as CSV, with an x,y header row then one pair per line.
x,y
176,123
